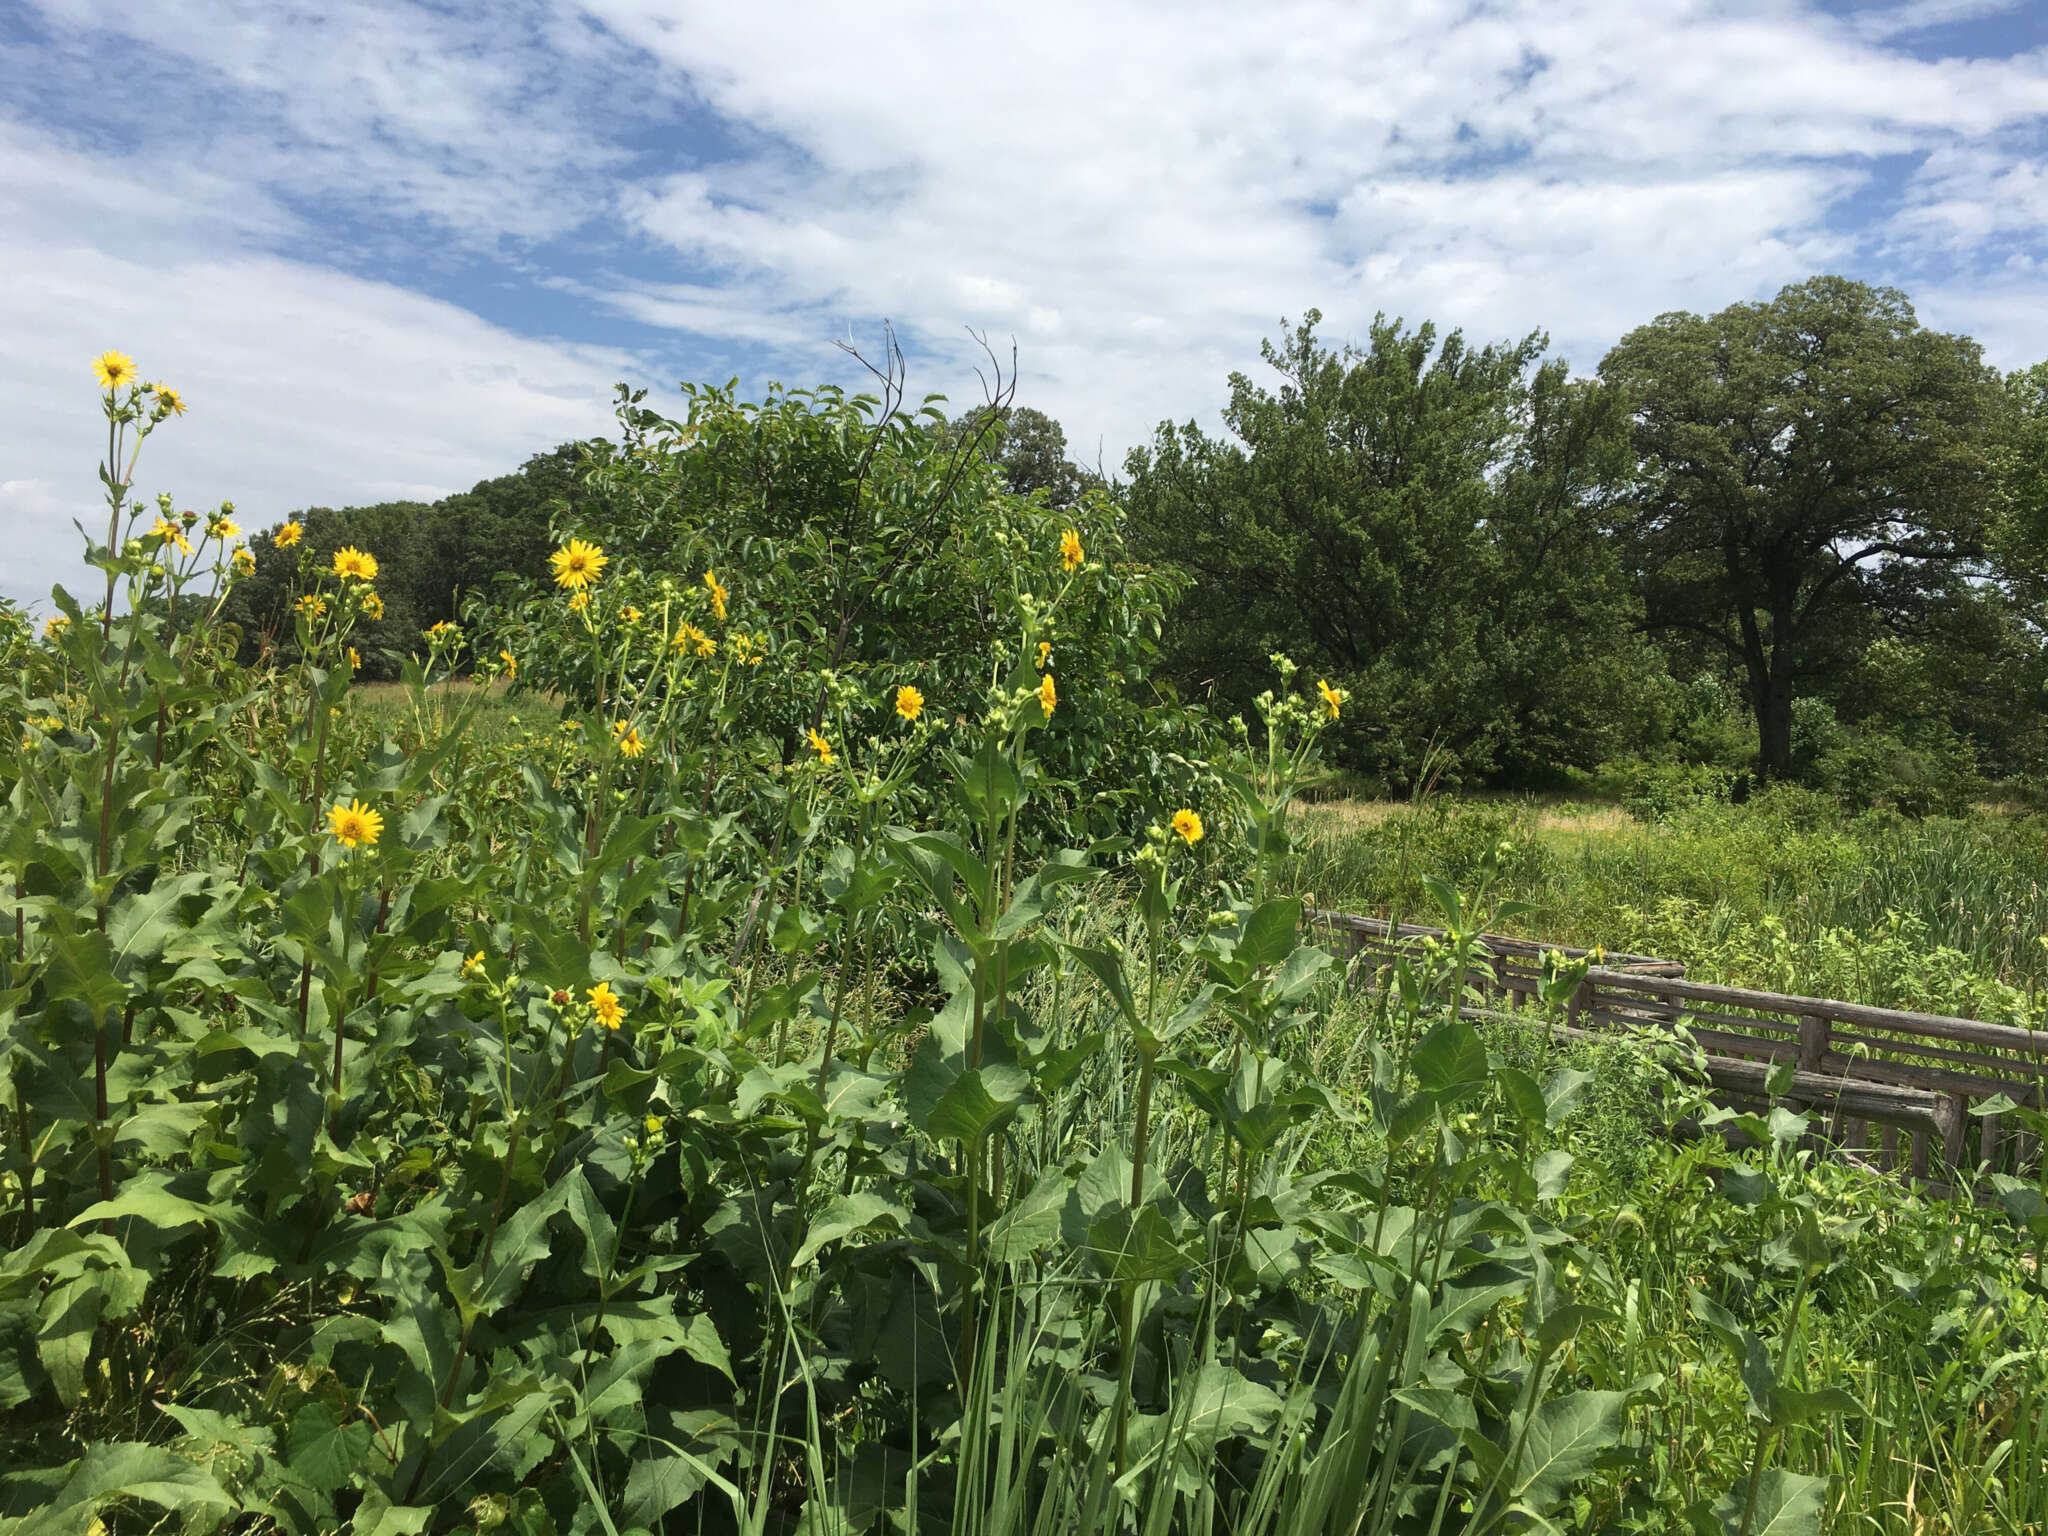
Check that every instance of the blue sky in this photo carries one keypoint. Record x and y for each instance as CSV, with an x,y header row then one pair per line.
x,y
389,249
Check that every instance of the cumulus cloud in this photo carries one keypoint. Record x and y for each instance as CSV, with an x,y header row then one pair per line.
x,y
1137,192
306,386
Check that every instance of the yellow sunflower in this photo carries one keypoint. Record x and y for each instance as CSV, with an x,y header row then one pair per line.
x,y
630,744
604,1002
1071,554
354,825
244,562
55,624
355,564
909,702
1333,698
288,535
511,663
223,528
169,401
1048,696
1187,826
718,596
113,369
171,533
373,605
819,745
578,564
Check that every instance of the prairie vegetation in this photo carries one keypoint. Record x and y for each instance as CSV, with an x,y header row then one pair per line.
x,y
783,1024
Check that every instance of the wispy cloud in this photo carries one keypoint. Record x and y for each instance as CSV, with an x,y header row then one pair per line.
x,y
1136,192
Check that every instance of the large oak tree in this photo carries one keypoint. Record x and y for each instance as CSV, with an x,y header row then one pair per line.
x,y
1814,470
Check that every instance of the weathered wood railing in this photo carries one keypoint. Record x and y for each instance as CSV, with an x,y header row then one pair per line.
x,y
1875,1074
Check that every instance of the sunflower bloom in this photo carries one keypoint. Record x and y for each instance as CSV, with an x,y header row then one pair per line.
x,y
1333,698
244,562
718,596
440,631
55,625
223,528
1044,654
473,964
1187,826
373,605
819,745
113,369
355,662
909,702
630,614
289,534
355,564
578,564
604,1002
1071,554
1048,696
168,400
311,606
354,825
578,601
511,663
628,738
171,533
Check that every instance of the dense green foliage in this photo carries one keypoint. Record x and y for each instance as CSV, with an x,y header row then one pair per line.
x,y
430,553
1420,521
1797,539
665,1114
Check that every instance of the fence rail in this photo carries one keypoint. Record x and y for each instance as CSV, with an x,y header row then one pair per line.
x,y
1877,1075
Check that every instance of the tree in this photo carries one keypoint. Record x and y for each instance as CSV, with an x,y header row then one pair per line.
x,y
1815,470
1029,448
428,554
1420,520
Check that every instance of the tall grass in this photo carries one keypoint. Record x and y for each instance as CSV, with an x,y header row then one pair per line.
x,y
1947,915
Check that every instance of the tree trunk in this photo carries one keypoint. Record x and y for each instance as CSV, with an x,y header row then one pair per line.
x,y
1774,725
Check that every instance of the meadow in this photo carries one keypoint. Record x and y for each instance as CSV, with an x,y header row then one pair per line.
x,y
787,1033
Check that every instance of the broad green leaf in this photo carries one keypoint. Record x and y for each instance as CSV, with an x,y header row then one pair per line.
x,y
1787,1504
1563,1441
322,1451
125,1470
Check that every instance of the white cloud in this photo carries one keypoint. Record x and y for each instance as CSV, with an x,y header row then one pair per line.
x,y
1137,192
306,386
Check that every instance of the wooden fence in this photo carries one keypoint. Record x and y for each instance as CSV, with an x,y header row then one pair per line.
x,y
1875,1077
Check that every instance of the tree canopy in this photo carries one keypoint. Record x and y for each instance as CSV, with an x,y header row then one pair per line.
x,y
1419,519
1813,471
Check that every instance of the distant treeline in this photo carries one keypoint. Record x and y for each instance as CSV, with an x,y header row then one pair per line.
x,y
1798,539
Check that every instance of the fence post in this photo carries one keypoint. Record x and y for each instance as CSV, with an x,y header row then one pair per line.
x,y
1813,1042
1952,1115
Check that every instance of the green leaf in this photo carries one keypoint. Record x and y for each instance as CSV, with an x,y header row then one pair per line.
x,y
1109,970
1269,933
979,1100
323,1452
125,1470
846,1215
82,966
1564,1440
1450,1060
1787,1504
